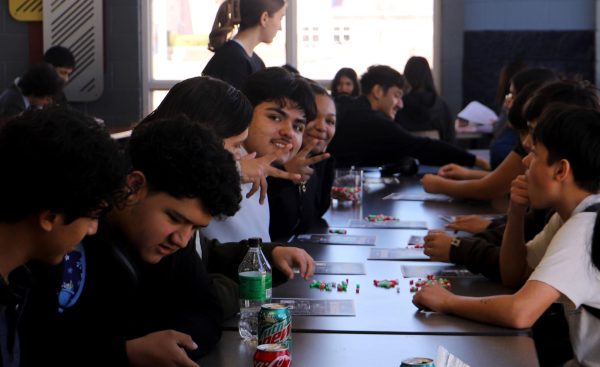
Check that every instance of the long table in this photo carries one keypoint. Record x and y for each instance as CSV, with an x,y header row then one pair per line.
x,y
387,325
356,350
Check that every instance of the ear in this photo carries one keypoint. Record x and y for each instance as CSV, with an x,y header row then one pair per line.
x,y
49,220
377,92
562,170
138,187
264,17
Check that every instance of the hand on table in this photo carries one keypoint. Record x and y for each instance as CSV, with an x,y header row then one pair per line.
x,y
469,223
286,257
432,297
161,348
437,245
453,171
432,183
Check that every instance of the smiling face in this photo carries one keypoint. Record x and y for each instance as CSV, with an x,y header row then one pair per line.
x,y
158,224
272,24
322,128
233,144
390,101
273,127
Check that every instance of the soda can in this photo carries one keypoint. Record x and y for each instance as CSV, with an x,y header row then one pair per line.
x,y
418,361
275,325
272,355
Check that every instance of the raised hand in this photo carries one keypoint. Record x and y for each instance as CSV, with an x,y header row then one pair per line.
x,y
256,171
301,162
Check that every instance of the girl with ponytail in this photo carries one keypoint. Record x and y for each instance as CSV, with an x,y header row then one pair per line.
x,y
257,21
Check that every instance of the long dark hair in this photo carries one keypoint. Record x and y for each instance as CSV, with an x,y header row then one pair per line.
x,y
350,74
418,74
207,100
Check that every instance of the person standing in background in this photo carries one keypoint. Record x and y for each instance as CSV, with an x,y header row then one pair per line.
x,y
235,60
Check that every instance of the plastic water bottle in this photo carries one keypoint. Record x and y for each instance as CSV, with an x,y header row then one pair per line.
x,y
255,288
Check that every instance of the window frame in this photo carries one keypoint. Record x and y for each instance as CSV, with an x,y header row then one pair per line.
x,y
150,85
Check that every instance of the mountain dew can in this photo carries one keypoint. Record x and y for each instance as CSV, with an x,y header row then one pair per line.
x,y
275,325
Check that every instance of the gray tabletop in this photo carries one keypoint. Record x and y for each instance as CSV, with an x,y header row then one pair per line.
x,y
381,310
325,350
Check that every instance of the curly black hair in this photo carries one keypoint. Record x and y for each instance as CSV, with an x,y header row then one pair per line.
x,y
185,159
59,160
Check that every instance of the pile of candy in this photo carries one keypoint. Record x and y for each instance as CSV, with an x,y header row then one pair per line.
x,y
328,287
379,218
387,284
346,193
417,245
337,231
431,279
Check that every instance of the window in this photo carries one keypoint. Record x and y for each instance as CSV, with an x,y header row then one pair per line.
x,y
327,35
358,33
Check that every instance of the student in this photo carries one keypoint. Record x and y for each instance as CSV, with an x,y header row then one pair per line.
x,y
146,298
296,206
480,253
60,170
496,183
368,136
424,110
34,89
283,103
235,60
63,62
229,113
561,264
345,82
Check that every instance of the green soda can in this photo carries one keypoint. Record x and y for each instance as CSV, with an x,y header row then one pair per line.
x,y
418,361
275,325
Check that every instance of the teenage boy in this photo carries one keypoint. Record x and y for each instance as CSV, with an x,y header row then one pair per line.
x,y
367,134
63,61
561,264
143,296
60,170
35,89
283,103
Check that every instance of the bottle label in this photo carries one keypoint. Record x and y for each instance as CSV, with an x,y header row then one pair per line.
x,y
255,286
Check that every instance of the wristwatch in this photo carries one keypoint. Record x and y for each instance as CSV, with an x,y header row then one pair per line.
x,y
455,242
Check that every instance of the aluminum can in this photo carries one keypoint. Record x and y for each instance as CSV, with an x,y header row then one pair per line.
x,y
275,325
272,355
418,361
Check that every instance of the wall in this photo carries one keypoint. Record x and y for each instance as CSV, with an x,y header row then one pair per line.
x,y
121,102
559,34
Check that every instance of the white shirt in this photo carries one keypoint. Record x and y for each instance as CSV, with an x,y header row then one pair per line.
x,y
560,255
252,220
